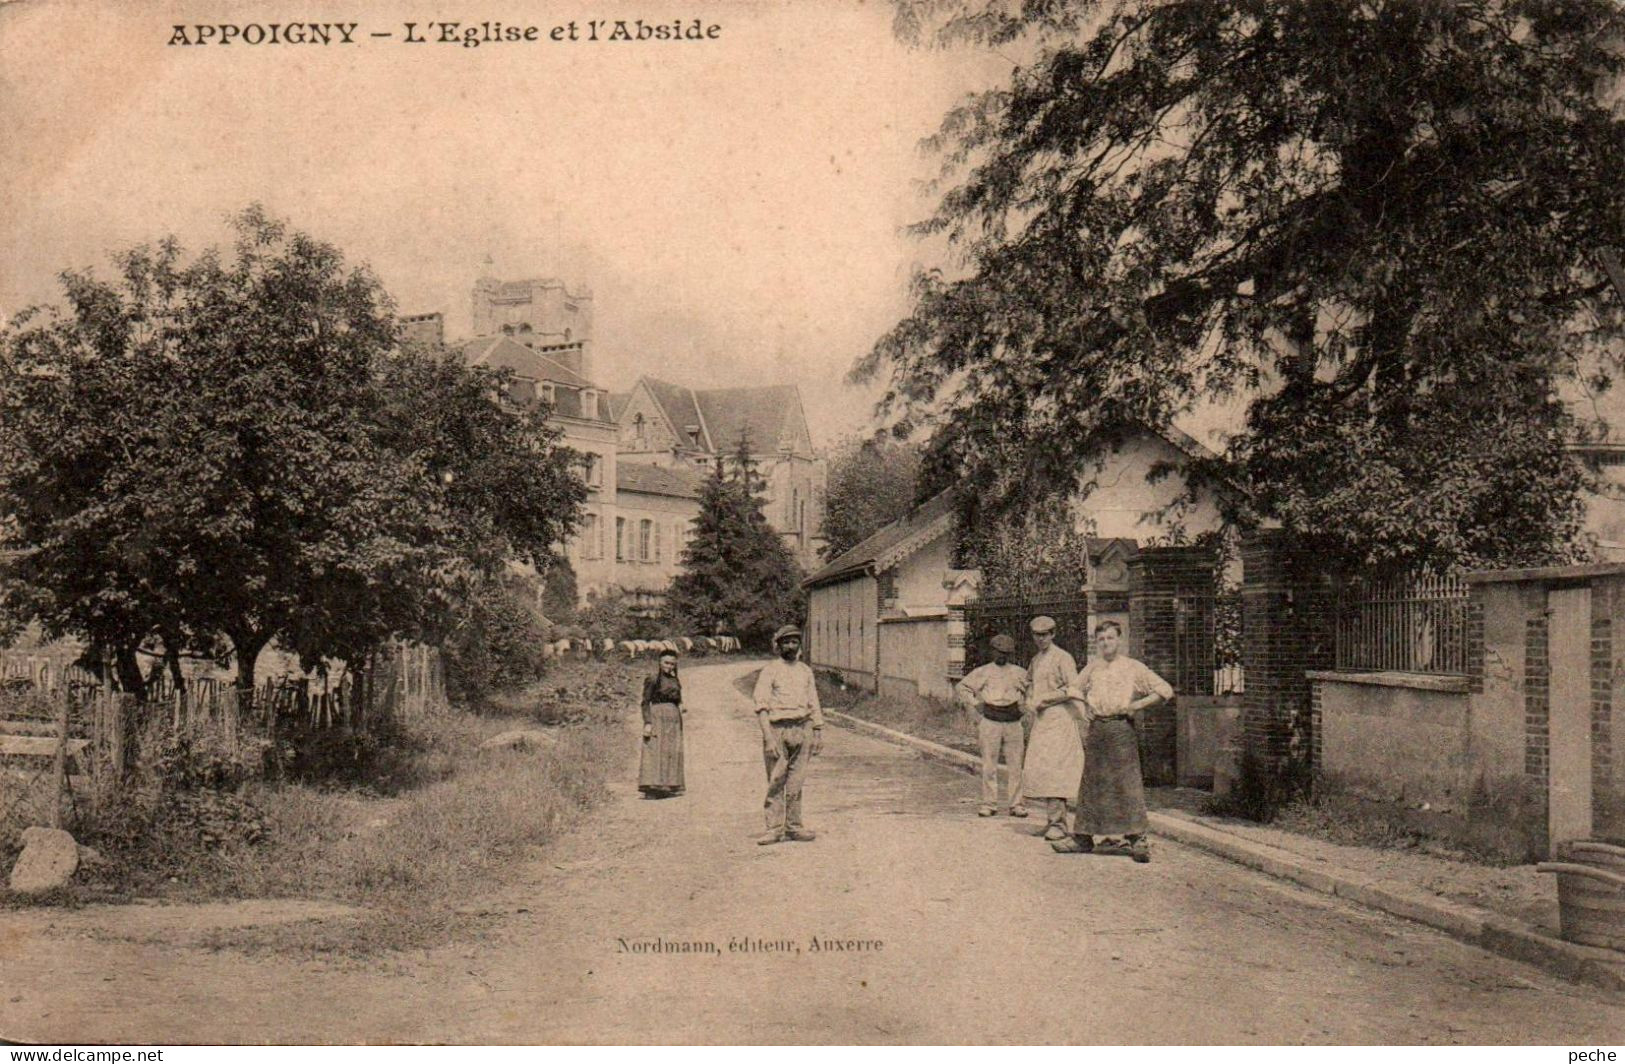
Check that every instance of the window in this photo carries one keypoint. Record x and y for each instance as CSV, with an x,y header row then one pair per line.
x,y
637,427
589,398
645,535
593,470
657,544
620,539
592,537
547,391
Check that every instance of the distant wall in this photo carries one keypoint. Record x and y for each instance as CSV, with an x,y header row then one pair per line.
x,y
1517,756
1399,736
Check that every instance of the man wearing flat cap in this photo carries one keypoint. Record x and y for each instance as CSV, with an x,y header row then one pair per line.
x,y
994,692
1055,751
792,732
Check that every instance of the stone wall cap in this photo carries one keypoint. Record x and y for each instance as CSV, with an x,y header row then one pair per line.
x,y
1418,681
1547,574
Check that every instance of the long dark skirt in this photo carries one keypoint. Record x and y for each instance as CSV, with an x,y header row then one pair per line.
x,y
661,769
1111,800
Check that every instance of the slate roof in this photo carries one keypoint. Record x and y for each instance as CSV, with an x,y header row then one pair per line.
x,y
655,480
681,409
764,412
617,402
877,552
767,414
504,352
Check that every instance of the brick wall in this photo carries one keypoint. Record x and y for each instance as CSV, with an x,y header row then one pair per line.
x,y
1536,699
1475,644
1607,799
1287,629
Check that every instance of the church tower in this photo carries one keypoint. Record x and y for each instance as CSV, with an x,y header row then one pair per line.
x,y
539,312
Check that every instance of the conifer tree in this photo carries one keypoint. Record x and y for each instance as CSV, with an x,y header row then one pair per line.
x,y
738,577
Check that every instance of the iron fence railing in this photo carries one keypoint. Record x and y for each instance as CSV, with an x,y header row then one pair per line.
x,y
1413,623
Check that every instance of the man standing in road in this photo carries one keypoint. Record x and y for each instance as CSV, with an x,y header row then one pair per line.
x,y
1055,753
792,732
1114,689
994,692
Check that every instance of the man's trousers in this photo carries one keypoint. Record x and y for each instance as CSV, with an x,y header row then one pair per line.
x,y
994,735
785,775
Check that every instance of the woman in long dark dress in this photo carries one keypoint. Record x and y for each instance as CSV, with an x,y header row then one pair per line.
x,y
660,773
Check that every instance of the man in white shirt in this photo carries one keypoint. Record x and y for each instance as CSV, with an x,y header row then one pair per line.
x,y
1114,689
792,732
994,692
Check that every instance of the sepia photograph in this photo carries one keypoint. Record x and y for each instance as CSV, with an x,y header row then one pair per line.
x,y
812,522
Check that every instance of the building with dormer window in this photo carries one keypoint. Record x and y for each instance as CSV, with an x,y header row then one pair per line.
x,y
646,453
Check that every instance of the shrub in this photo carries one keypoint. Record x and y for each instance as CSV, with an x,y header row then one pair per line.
x,y
496,643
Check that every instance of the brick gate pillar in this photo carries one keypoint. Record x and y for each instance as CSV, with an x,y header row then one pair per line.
x,y
1170,628
1287,628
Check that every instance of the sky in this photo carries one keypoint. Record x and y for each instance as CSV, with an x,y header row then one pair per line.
x,y
735,205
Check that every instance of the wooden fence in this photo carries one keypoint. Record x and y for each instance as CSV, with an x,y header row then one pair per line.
x,y
66,739
1410,623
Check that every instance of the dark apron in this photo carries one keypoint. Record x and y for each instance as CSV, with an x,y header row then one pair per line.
x,y
1111,800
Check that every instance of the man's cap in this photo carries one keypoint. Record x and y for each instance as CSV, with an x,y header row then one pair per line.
x,y
1041,625
1004,643
787,632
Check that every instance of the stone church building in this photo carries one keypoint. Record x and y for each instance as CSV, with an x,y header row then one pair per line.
x,y
647,451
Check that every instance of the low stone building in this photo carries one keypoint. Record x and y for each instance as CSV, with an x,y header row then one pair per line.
x,y
888,614
655,511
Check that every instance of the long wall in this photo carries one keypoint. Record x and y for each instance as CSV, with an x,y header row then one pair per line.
x,y
1517,757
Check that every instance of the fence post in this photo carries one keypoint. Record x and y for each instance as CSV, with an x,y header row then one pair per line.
x,y
115,705
59,775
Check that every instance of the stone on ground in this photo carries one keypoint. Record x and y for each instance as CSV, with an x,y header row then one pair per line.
x,y
520,739
49,859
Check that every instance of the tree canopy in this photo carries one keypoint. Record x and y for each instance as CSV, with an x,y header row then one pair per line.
x,y
872,482
1372,224
738,577
231,450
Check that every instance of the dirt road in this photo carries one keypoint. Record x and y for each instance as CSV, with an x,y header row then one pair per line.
x,y
943,928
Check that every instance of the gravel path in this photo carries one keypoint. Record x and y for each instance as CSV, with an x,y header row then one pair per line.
x,y
942,927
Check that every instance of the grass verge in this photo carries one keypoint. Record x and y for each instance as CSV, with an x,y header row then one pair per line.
x,y
447,823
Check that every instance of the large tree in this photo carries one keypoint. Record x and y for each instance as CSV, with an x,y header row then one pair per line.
x,y
1372,222
231,450
872,482
738,577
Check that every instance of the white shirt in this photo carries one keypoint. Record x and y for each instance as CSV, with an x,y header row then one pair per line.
x,y
1107,687
1052,672
994,684
787,690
